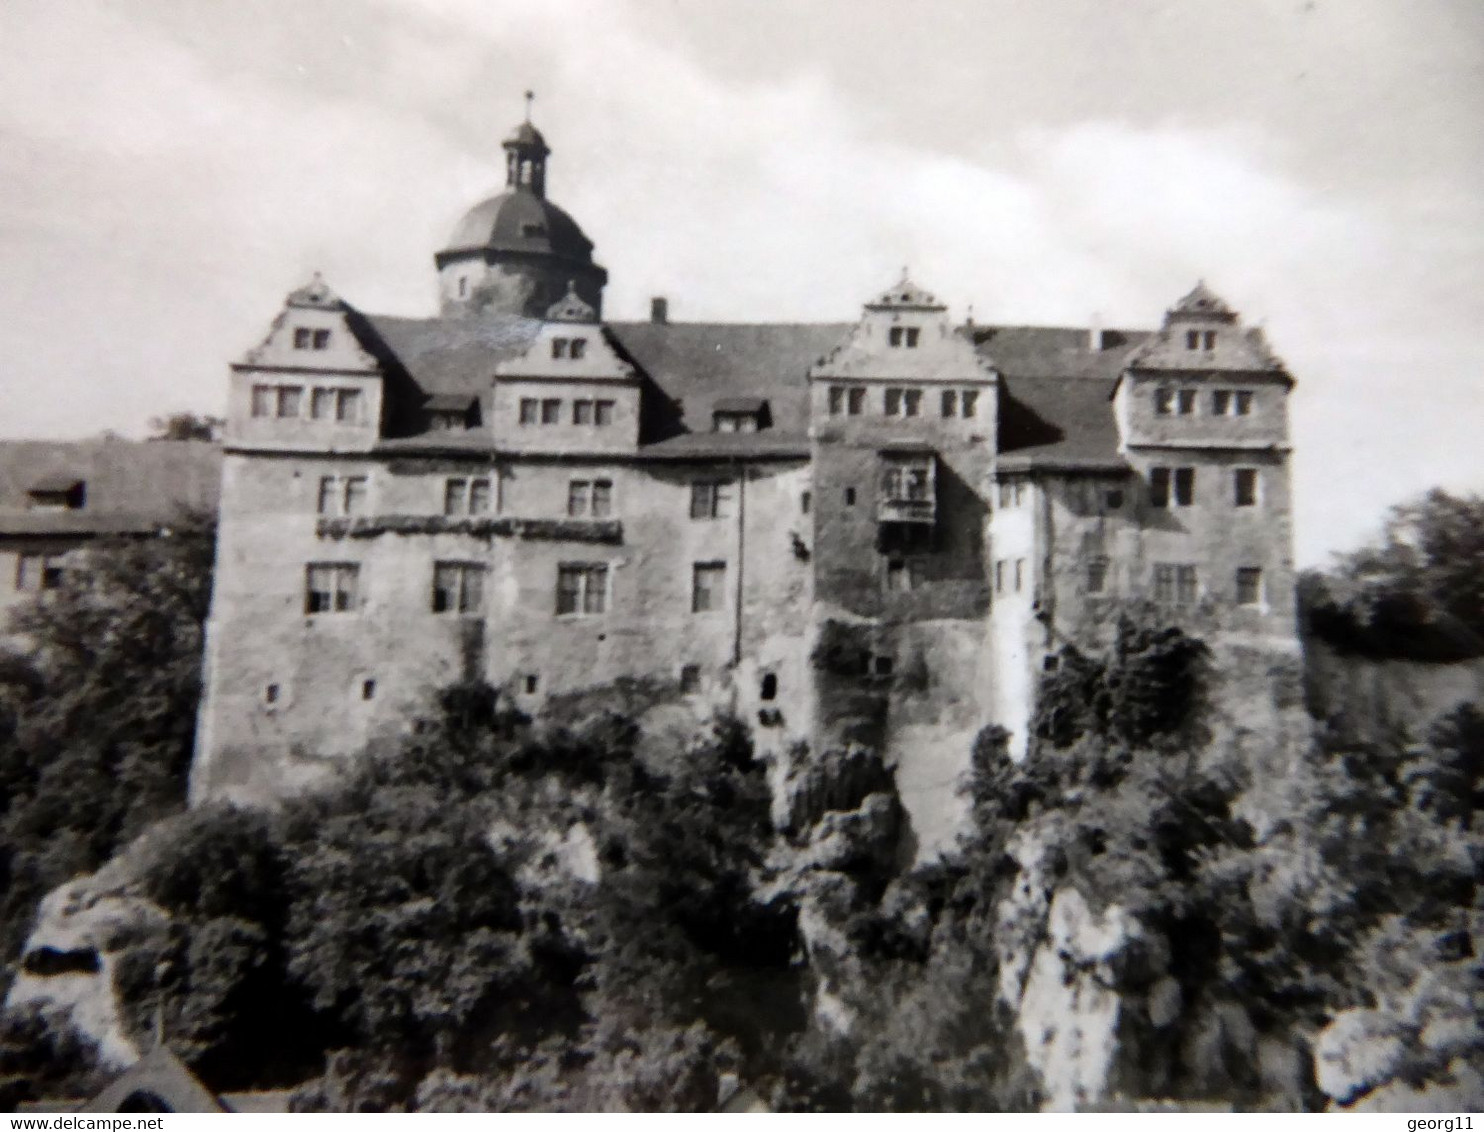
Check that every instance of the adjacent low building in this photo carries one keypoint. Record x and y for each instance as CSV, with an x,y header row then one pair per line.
x,y
59,498
879,531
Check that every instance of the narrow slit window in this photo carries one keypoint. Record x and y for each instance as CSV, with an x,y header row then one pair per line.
x,y
855,402
948,403
1244,487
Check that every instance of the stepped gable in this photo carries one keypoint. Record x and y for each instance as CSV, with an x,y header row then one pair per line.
x,y
128,486
1237,349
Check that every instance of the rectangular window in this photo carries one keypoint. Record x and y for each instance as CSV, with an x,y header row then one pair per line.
x,y
1244,487
603,413
970,403
904,336
1208,339
948,406
37,572
893,405
332,587
302,337
530,410
602,499
1019,574
1164,402
578,348
289,398
321,339
456,496
850,497
348,405
1244,402
480,496
855,402
912,402
1175,583
1221,403
579,495
327,493
804,500
582,412
458,587
1159,487
895,335
1192,339
903,575
710,500
708,587
1005,494
1184,487
551,411
262,400
1097,575
582,588
837,400
1185,585
559,347
321,403
354,498
1185,402
999,576
1249,585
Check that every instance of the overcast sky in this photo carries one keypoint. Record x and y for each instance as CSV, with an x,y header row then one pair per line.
x,y
169,169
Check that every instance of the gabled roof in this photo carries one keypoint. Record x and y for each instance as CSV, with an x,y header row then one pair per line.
x,y
1204,302
158,1074
132,486
1058,423
905,295
700,368
698,364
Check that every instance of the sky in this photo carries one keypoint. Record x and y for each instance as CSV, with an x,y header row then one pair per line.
x,y
170,169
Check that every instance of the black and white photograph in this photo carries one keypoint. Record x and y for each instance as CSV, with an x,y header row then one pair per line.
x,y
742,556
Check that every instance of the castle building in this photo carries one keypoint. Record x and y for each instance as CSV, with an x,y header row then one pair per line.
x,y
59,499
880,531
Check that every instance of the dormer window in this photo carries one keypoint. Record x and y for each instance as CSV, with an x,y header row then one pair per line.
x,y
533,231
903,337
739,414
573,348
57,493
1200,339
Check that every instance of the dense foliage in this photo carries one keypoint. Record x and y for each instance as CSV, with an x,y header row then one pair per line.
x,y
1416,593
98,713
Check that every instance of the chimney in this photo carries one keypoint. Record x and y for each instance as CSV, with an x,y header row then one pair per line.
x,y
1095,333
659,310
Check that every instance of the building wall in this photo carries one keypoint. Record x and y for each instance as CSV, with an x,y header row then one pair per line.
x,y
260,633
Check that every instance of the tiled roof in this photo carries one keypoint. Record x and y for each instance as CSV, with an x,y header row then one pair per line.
x,y
1054,351
698,364
1057,406
1058,423
131,485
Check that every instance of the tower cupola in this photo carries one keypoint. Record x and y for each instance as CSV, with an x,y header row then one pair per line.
x,y
517,253
526,152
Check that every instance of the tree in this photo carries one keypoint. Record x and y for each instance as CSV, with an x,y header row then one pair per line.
x,y
97,718
1417,592
186,426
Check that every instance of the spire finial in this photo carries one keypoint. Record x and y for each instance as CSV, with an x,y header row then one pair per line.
x,y
530,98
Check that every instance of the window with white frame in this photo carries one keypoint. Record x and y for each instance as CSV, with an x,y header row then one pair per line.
x,y
467,495
582,588
1175,583
590,499
35,573
708,587
710,499
341,495
332,587
903,337
458,587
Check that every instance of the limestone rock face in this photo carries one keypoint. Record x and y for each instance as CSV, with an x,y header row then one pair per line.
x,y
67,965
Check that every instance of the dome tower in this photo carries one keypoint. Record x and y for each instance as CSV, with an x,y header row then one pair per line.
x,y
517,253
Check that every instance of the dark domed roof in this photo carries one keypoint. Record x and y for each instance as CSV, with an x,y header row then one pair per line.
x,y
520,221
527,135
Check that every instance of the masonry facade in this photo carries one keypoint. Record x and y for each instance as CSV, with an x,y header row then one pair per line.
x,y
879,531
